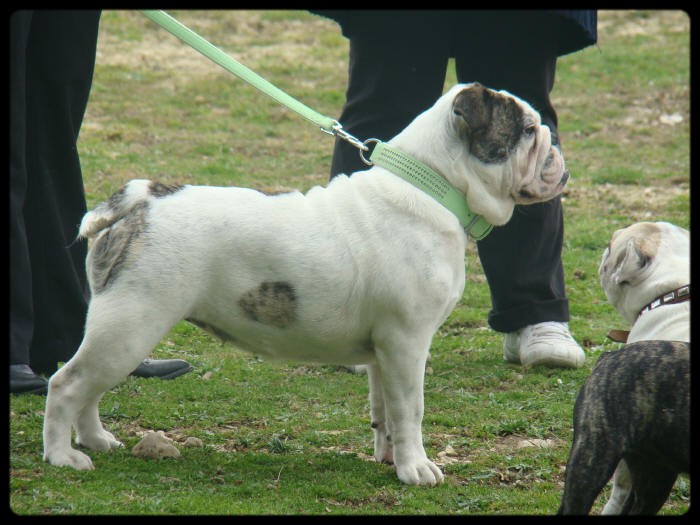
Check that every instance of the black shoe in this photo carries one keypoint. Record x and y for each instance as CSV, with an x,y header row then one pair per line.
x,y
162,368
23,380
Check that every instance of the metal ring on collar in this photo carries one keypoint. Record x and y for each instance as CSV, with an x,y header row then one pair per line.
x,y
366,148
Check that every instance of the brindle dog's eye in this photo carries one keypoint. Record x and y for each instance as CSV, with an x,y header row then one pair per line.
x,y
529,130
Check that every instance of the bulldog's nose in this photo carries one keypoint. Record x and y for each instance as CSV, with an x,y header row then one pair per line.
x,y
564,178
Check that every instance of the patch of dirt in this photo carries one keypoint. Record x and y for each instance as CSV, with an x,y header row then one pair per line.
x,y
513,442
641,202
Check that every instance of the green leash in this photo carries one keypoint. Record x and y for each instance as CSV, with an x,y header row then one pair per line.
x,y
212,52
383,155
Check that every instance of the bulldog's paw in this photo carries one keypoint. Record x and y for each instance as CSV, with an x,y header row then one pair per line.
x,y
421,472
70,458
103,441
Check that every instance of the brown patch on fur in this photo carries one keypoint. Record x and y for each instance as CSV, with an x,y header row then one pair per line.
x,y
111,250
271,303
647,238
495,123
158,189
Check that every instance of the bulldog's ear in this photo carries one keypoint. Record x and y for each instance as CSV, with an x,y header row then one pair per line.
x,y
472,104
629,264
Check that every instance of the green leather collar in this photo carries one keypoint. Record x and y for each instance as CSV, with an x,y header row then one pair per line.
x,y
432,183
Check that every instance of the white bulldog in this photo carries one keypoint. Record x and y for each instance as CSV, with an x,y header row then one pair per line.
x,y
645,262
645,274
363,271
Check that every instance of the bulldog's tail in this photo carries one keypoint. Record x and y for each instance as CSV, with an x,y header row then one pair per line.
x,y
117,206
135,194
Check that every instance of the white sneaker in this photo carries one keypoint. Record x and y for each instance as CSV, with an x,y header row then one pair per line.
x,y
547,344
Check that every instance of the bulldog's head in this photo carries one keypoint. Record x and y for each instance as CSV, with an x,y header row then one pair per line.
x,y
492,146
642,262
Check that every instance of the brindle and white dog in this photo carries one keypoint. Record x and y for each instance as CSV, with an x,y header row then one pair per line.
x,y
645,274
364,270
634,408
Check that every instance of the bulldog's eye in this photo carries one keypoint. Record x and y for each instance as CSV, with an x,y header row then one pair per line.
x,y
529,130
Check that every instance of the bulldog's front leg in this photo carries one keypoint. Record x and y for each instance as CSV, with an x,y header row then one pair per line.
x,y
383,452
401,369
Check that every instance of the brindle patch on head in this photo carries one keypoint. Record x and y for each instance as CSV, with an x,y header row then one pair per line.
x,y
110,251
495,122
271,303
158,189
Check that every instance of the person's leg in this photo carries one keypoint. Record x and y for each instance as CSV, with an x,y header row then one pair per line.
x,y
22,378
522,259
396,71
48,198
61,56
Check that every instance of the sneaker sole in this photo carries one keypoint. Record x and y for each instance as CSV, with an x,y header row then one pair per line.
x,y
555,361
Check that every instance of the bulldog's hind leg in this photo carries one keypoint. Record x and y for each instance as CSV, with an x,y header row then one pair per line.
x,y
592,461
622,485
72,401
401,365
89,430
651,485
116,340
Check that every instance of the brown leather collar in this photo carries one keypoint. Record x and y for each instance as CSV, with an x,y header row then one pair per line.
x,y
679,295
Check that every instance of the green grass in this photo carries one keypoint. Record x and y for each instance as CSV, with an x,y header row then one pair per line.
x,y
289,438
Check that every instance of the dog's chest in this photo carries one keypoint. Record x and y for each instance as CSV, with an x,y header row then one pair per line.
x,y
670,323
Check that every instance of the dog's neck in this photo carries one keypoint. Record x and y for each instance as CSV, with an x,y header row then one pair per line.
x,y
679,295
431,182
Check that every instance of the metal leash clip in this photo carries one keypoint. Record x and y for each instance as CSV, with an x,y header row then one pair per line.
x,y
338,131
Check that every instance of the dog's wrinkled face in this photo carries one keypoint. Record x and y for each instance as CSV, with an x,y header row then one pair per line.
x,y
504,132
643,261
493,147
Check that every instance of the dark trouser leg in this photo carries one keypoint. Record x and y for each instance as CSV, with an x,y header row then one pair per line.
x,y
392,78
522,259
57,70
21,310
395,77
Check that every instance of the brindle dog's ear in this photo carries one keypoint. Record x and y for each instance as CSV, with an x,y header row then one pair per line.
x,y
472,104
